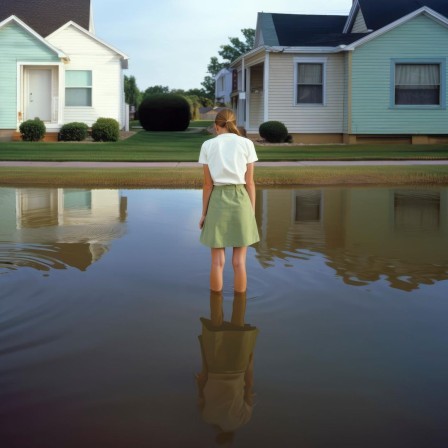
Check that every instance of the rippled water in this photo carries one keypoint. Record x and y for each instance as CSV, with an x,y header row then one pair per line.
x,y
102,291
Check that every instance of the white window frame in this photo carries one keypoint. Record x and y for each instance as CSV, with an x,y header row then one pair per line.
x,y
310,60
79,87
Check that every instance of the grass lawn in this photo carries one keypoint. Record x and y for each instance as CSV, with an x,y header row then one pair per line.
x,y
185,146
192,177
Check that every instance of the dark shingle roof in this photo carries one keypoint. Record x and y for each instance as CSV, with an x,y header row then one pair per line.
x,y
379,13
46,16
296,30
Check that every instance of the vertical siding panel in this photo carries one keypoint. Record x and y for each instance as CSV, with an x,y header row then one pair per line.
x,y
421,37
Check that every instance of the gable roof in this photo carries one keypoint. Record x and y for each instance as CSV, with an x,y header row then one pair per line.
x,y
379,13
299,30
422,11
123,56
14,19
46,16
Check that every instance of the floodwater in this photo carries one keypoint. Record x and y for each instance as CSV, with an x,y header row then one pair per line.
x,y
103,295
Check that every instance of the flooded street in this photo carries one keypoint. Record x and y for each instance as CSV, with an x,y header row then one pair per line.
x,y
102,293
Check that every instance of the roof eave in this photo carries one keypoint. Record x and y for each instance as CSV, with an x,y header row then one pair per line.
x,y
93,36
248,54
424,10
352,16
19,22
306,49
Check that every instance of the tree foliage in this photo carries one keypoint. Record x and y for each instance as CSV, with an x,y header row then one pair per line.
x,y
196,98
228,53
156,90
238,47
131,92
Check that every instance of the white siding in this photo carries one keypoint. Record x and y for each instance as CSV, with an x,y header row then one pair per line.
x,y
306,118
360,25
223,86
256,97
87,54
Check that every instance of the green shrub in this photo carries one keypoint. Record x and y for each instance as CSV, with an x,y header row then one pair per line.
x,y
73,132
105,130
32,130
273,131
164,112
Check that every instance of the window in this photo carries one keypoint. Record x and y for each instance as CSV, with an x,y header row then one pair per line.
x,y
310,80
78,88
417,84
308,205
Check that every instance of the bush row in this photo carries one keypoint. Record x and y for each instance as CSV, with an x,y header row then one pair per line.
x,y
103,130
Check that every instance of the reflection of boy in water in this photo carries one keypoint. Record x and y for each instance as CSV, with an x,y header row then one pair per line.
x,y
226,380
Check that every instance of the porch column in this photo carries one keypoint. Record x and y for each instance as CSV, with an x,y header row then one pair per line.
x,y
266,87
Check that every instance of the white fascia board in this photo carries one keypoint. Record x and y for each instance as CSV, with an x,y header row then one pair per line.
x,y
337,49
92,36
15,19
248,54
289,50
442,20
353,11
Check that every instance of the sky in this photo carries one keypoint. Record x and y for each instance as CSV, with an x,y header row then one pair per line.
x,y
170,42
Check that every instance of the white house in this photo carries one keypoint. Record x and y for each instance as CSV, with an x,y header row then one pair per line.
x,y
54,67
223,86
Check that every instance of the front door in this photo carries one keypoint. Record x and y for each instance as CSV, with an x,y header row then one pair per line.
x,y
38,101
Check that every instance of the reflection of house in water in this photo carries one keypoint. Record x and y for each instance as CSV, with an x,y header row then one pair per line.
x,y
364,233
59,227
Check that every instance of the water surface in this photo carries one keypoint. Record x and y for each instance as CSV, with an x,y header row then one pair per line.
x,y
102,291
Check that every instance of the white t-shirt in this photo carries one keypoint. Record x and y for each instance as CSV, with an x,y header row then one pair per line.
x,y
227,156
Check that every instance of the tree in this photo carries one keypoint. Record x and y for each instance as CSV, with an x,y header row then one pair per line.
x,y
231,52
228,53
155,90
131,92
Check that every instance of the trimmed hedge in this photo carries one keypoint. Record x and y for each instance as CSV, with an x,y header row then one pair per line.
x,y
106,130
164,112
73,132
32,130
273,131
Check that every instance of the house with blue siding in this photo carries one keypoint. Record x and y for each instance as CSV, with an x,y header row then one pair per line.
x,y
377,74
54,67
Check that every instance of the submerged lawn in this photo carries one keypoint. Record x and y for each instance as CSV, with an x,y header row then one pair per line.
x,y
192,177
185,146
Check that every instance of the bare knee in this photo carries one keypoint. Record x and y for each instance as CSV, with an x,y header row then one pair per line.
x,y
238,264
218,263
218,259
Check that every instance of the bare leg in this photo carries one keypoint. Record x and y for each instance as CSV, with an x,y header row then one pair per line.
x,y
239,268
217,267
